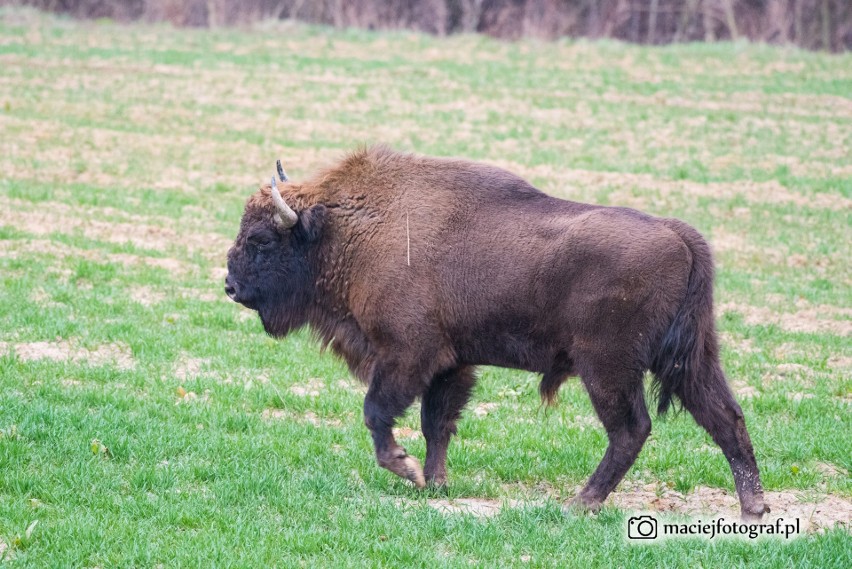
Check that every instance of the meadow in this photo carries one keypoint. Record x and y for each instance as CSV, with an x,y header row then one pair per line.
x,y
146,420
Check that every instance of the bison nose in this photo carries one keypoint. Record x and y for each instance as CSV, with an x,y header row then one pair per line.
x,y
231,287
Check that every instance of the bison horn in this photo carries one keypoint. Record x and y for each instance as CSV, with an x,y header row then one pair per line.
x,y
285,218
282,175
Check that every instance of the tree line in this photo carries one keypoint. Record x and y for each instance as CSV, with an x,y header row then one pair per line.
x,y
811,24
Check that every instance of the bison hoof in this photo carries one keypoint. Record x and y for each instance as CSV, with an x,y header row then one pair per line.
x,y
754,513
414,472
437,480
582,505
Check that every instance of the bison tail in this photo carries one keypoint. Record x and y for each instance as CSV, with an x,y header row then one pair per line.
x,y
689,345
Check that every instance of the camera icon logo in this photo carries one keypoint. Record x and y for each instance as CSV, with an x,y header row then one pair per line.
x,y
642,527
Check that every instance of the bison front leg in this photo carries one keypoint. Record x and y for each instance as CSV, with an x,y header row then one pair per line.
x,y
442,405
386,401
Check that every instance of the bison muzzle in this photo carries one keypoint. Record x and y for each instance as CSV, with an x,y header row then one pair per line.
x,y
415,270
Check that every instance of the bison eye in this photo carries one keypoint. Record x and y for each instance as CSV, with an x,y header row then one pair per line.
x,y
260,240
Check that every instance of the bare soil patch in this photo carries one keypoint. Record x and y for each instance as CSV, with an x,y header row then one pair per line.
x,y
825,319
5,552
483,409
149,295
626,183
187,367
116,354
817,513
306,417
840,363
137,230
15,248
312,388
406,433
146,295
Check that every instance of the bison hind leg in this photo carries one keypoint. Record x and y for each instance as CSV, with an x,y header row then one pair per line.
x,y
618,397
710,401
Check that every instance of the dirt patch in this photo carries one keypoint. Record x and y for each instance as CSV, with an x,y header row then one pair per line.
x,y
840,363
831,470
137,230
115,354
351,386
802,375
149,296
823,319
146,295
817,513
41,297
626,185
14,249
306,417
743,389
737,343
479,507
820,513
483,409
310,389
784,105
406,433
6,553
187,367
793,370
797,396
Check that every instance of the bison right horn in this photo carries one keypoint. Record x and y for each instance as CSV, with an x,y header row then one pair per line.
x,y
285,218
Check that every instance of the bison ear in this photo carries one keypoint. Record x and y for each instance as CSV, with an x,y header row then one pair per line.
x,y
310,222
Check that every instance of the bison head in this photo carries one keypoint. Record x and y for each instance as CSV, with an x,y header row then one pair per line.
x,y
269,267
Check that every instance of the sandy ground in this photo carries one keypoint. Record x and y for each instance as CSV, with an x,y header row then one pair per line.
x,y
817,513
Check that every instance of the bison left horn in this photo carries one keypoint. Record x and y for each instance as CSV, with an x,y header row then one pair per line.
x,y
285,217
282,175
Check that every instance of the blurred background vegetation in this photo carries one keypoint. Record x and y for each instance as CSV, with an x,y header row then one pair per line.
x,y
810,24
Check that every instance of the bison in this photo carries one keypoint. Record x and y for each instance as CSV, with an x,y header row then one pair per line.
x,y
415,270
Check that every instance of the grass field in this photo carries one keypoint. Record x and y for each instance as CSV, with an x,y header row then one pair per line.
x,y
146,420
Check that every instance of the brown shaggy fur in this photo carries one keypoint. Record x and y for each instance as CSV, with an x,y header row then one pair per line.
x,y
416,269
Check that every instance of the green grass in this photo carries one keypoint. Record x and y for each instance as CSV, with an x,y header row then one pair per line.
x,y
126,156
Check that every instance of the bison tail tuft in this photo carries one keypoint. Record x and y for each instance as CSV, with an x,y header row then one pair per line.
x,y
690,341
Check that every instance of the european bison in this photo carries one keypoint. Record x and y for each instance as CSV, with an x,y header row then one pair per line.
x,y
416,269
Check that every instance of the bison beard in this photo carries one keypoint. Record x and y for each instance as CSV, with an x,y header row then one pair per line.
x,y
416,269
